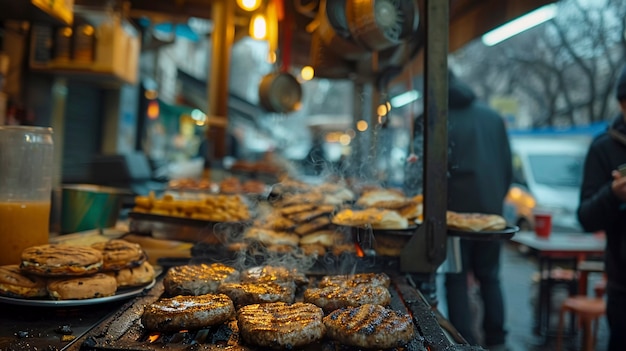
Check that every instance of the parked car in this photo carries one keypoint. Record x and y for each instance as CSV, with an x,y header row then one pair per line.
x,y
547,174
519,206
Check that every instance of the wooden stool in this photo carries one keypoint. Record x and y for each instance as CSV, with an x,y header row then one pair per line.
x,y
588,310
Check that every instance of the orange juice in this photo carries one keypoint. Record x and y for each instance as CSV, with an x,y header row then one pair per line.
x,y
22,224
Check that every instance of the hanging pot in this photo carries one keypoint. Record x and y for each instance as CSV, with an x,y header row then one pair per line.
x,y
280,92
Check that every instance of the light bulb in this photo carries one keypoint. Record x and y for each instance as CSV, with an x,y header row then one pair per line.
x,y
249,5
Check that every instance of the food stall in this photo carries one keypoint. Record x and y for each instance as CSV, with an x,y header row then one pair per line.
x,y
319,229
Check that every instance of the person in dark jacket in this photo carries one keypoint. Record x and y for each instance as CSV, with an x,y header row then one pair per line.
x,y
603,208
480,174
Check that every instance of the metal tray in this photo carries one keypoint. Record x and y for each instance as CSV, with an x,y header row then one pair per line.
x,y
175,220
121,294
184,229
504,234
366,230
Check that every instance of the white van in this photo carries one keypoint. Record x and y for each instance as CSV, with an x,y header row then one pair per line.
x,y
547,174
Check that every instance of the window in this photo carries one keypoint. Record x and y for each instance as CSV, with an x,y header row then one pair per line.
x,y
557,170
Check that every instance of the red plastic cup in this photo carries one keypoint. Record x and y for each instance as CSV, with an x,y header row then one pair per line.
x,y
543,225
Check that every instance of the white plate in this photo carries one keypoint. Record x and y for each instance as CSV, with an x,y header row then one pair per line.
x,y
119,295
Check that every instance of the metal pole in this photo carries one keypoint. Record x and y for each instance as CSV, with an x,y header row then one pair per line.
x,y
426,249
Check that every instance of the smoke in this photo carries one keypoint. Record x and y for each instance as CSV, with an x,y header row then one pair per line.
x,y
230,244
242,253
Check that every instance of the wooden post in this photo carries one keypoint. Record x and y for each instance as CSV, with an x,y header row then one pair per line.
x,y
222,38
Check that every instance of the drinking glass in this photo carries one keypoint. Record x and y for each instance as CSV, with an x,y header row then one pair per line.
x,y
26,161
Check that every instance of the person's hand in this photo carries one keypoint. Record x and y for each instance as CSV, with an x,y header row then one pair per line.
x,y
619,185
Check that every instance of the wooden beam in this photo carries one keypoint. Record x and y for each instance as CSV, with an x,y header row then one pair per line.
x,y
218,75
201,9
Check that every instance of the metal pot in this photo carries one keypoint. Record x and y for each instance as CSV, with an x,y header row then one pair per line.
x,y
280,92
380,24
334,32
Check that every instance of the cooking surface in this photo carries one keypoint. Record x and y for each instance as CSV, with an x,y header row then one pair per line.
x,y
48,328
116,326
123,330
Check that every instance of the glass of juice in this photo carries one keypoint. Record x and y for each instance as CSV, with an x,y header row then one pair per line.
x,y
26,161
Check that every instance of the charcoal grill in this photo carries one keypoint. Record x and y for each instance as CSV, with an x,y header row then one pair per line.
x,y
116,326
123,329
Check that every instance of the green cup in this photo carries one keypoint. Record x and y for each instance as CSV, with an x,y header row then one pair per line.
x,y
86,207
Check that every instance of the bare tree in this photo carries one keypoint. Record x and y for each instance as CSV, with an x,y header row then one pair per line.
x,y
563,72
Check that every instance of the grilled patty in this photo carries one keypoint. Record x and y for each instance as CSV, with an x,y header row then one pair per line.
x,y
197,279
187,312
119,254
56,260
277,274
333,297
78,288
369,326
279,325
14,283
352,280
250,293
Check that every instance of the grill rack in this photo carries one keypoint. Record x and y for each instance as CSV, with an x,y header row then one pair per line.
x,y
122,331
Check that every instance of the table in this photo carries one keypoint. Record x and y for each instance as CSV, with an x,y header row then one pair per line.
x,y
559,247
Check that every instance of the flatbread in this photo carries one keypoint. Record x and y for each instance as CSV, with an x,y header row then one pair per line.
x,y
326,238
475,222
271,237
317,224
383,198
414,210
374,217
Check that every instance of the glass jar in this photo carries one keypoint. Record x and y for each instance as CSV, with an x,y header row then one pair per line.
x,y
26,162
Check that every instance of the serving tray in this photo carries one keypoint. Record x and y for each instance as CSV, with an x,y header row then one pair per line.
x,y
121,294
182,228
504,234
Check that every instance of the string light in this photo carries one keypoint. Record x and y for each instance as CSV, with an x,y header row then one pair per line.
x,y
258,27
361,125
249,5
307,73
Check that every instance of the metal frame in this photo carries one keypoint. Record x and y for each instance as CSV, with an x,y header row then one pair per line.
x,y
426,250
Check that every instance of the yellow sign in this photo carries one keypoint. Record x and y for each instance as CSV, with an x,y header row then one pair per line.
x,y
506,106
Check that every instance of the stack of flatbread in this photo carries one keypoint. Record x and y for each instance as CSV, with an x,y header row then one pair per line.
x,y
475,222
410,208
374,217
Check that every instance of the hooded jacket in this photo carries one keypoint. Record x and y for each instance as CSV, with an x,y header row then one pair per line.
x,y
599,208
479,159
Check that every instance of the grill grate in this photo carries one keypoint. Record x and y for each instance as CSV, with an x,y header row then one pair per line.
x,y
123,329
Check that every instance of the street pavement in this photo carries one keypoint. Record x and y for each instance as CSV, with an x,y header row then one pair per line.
x,y
519,287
